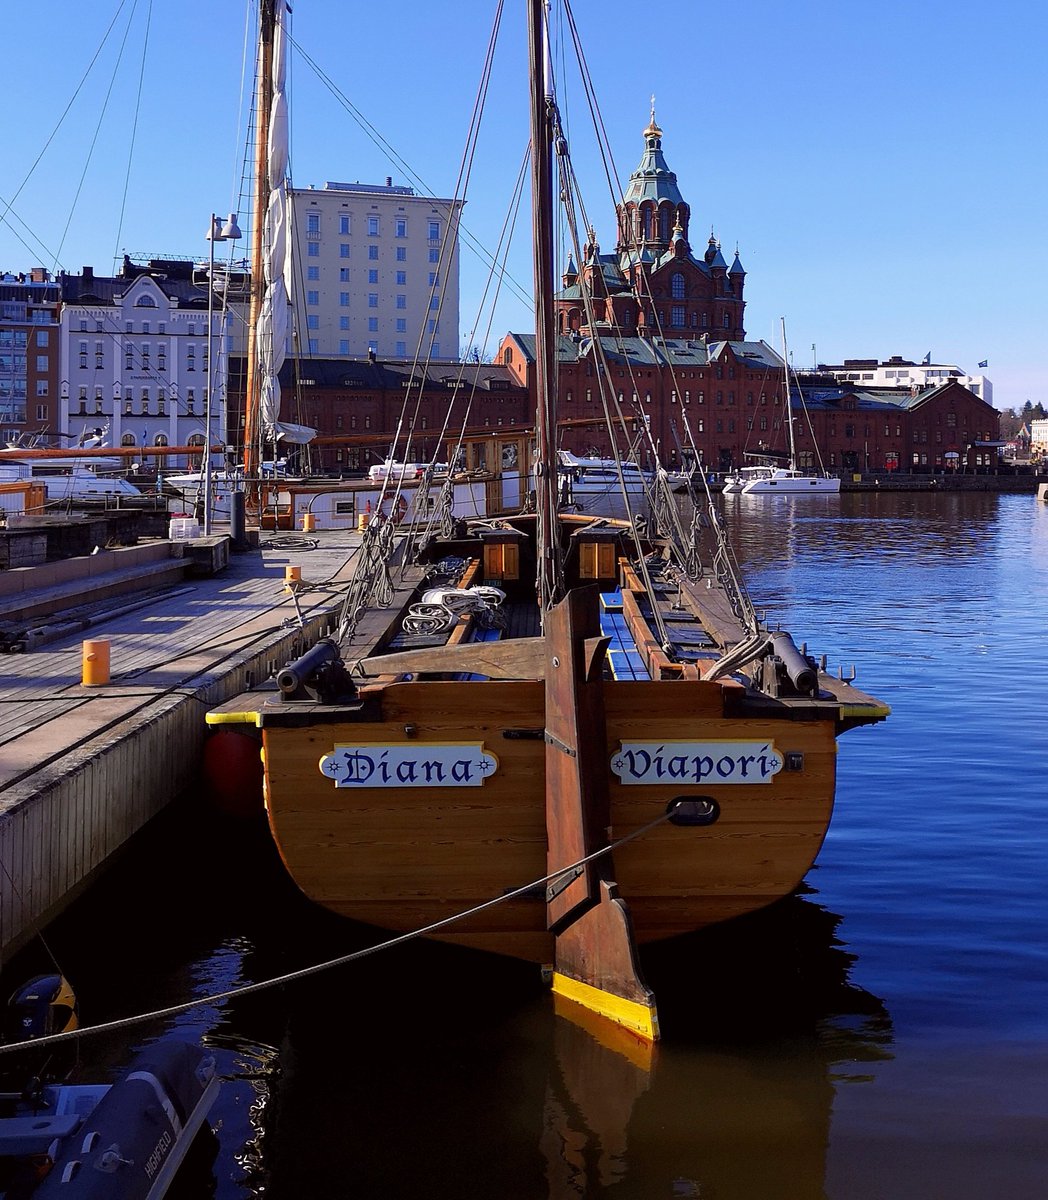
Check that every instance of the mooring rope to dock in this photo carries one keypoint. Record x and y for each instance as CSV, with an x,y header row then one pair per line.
x,y
250,989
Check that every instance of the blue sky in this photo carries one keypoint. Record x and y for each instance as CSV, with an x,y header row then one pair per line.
x,y
880,167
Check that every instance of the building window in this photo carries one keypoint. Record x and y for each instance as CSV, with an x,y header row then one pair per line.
x,y
343,346
434,254
313,321
343,322
314,346
373,276
434,231
41,412
402,300
313,222
160,439
402,254
41,387
343,224
343,274
677,286
372,226
401,350
402,325
312,298
677,316
373,253
343,299
434,303
127,439
41,337
372,299
313,250
372,349
343,250
400,227
372,324
312,274
402,279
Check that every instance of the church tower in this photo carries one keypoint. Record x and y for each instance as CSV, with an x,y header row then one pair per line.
x,y
652,285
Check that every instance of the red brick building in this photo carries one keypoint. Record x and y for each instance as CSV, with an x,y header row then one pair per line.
x,y
358,405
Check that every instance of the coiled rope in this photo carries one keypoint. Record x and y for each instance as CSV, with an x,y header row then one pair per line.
x,y
250,989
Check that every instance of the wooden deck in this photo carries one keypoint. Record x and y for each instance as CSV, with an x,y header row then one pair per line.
x,y
81,769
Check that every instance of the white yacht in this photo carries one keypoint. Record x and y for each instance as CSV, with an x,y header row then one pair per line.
x,y
772,480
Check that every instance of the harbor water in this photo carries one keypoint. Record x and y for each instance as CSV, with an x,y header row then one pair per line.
x,y
882,1034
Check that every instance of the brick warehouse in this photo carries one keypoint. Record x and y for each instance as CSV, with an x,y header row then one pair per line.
x,y
670,326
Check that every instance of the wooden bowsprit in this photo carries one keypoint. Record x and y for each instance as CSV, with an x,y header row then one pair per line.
x,y
596,958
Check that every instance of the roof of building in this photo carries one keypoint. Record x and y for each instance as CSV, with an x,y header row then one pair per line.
x,y
385,375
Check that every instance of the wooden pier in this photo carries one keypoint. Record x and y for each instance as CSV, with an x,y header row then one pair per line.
x,y
84,768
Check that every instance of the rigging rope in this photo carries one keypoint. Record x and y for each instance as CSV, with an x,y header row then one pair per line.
x,y
250,989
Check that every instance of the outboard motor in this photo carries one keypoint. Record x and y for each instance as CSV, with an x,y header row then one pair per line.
x,y
41,1007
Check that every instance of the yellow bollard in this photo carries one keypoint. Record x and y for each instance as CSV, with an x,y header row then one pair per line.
x,y
95,663
292,577
309,522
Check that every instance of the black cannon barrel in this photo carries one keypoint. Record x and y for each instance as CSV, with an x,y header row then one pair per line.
x,y
296,674
803,675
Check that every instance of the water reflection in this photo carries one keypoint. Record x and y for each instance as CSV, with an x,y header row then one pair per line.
x,y
433,1070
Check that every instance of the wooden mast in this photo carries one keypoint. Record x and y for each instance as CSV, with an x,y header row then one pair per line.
x,y
263,107
596,958
549,575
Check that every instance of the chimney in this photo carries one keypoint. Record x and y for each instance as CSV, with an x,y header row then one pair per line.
x,y
88,272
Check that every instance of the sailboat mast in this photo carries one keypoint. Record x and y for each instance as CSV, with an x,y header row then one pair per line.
x,y
542,221
787,404
263,107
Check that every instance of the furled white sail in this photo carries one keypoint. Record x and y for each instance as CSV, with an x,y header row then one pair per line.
x,y
274,317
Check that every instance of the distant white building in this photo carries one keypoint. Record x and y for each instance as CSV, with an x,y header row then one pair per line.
x,y
1039,435
375,269
134,355
900,372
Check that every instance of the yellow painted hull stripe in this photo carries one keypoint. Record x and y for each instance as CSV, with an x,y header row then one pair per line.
x,y
234,718
640,1018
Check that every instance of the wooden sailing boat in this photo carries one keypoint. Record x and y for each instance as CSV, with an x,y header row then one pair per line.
x,y
598,745
769,481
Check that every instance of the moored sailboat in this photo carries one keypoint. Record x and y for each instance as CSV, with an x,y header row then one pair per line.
x,y
790,478
552,736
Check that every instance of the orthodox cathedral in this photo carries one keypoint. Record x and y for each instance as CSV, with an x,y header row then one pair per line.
x,y
653,285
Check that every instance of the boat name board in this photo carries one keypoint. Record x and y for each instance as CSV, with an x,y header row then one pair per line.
x,y
696,762
394,764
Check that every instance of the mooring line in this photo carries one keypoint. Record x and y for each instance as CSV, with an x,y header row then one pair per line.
x,y
305,972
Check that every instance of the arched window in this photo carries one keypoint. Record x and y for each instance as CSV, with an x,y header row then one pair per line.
x,y
677,286
145,301
128,439
160,439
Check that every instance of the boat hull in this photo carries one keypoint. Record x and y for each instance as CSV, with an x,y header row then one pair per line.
x,y
403,858
802,485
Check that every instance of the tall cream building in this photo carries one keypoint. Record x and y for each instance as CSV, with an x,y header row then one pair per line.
x,y
375,270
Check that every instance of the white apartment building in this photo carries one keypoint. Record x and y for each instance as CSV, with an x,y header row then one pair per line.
x,y
375,270
134,355
900,372
1039,435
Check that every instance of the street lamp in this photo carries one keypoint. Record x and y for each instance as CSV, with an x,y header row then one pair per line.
x,y
217,232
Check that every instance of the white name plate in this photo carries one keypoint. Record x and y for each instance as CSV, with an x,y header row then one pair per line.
x,y
696,762
406,764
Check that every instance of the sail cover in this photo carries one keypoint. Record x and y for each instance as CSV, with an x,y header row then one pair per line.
x,y
274,317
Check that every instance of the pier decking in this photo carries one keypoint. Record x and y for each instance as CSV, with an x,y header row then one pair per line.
x,y
83,768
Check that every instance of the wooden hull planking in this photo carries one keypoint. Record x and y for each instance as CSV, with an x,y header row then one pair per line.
x,y
403,858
